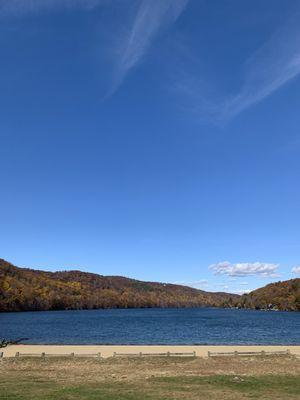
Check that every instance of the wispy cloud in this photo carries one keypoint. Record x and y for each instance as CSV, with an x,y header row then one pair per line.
x,y
266,270
274,64
203,283
223,286
21,7
148,19
296,270
151,17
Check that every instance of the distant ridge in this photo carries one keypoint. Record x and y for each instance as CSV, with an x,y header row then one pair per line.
x,y
284,296
23,289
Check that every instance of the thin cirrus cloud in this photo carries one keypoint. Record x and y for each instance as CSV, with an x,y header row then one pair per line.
x,y
150,18
296,270
274,64
195,284
265,270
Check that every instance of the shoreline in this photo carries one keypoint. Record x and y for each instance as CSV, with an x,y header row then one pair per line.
x,y
108,350
153,308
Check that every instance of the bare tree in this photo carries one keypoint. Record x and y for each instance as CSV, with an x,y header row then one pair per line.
x,y
6,342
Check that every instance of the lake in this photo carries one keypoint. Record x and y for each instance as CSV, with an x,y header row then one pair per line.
x,y
153,326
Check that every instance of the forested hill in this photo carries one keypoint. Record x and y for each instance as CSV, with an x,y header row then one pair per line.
x,y
23,289
280,295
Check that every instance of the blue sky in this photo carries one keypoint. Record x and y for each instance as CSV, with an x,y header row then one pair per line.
x,y
152,139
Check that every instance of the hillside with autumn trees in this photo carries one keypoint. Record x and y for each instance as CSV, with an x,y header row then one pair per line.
x,y
283,296
23,289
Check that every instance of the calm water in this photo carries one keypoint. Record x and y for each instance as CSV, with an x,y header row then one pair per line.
x,y
153,326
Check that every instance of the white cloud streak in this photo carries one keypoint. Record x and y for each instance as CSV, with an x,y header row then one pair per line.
x,y
296,270
245,269
274,64
151,17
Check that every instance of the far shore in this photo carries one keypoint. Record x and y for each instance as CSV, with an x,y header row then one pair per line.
x,y
108,350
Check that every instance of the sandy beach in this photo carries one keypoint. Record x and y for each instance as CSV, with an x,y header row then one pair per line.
x,y
108,350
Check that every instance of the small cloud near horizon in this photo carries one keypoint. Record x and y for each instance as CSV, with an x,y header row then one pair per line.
x,y
242,291
201,283
296,270
265,270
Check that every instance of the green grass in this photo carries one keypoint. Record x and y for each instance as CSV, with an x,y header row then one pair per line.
x,y
267,387
270,386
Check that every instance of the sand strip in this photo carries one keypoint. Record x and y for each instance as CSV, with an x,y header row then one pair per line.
x,y
108,350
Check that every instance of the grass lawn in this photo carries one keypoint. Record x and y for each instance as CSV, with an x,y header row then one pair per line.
x,y
50,381
217,387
